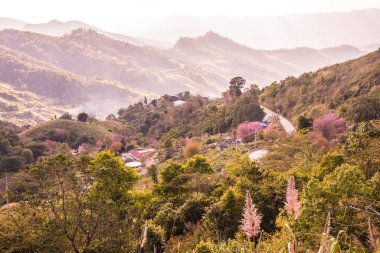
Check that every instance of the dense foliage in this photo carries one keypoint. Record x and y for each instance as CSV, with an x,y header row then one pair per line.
x,y
316,189
159,118
352,86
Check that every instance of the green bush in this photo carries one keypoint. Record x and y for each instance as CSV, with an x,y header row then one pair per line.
x,y
204,247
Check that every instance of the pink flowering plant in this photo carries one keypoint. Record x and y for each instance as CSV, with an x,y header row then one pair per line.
x,y
292,205
246,131
251,221
330,125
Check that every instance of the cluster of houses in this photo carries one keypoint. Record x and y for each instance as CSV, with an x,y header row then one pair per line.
x,y
133,157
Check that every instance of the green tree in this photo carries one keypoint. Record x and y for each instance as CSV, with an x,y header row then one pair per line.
x,y
198,163
155,239
224,216
236,84
82,117
361,148
171,171
86,201
28,156
338,190
364,109
304,123
152,171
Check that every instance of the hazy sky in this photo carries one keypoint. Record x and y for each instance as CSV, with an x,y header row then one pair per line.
x,y
110,13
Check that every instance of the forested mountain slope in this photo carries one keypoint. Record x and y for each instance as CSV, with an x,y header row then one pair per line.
x,y
335,88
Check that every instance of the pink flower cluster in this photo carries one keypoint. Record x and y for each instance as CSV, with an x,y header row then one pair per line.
x,y
251,218
330,125
51,147
82,148
59,131
292,205
247,130
117,137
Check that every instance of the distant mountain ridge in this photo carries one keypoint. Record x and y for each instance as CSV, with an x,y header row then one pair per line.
x,y
10,23
58,28
222,55
88,68
359,28
319,30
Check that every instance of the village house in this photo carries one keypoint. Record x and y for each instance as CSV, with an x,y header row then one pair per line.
x,y
136,154
179,103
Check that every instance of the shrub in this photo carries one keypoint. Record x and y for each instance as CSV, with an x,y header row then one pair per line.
x,y
66,116
304,123
204,247
28,156
155,238
273,132
11,164
82,117
192,148
129,147
364,109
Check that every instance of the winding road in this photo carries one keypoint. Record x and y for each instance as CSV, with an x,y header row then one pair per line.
x,y
286,124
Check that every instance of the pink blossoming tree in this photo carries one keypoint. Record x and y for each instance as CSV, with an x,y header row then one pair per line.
x,y
82,148
246,131
330,125
51,147
116,146
99,144
251,219
117,137
292,205
59,131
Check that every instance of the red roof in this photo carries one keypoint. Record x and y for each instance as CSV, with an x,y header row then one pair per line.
x,y
136,154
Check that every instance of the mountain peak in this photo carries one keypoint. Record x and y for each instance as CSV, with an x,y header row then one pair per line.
x,y
83,32
55,22
211,34
209,37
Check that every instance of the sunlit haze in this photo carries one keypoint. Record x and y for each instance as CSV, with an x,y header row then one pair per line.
x,y
123,16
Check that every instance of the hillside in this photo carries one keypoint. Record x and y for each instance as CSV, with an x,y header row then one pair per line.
x,y
85,52
222,55
61,87
327,89
23,107
74,133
